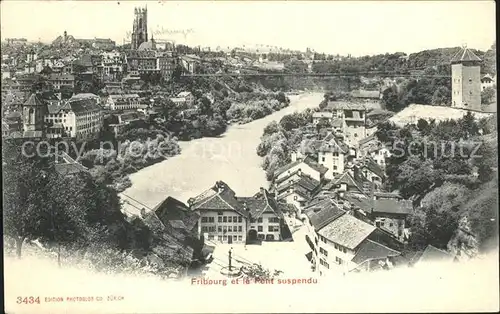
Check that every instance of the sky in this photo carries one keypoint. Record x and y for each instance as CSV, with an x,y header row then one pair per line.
x,y
343,27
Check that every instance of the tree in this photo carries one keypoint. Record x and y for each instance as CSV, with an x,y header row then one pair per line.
x,y
23,183
271,128
390,99
488,95
434,228
442,96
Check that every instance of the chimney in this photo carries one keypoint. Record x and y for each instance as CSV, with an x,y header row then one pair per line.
x,y
294,156
143,212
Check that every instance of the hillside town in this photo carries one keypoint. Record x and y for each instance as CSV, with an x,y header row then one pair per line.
x,y
338,198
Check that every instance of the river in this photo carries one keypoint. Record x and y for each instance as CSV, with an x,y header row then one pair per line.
x,y
231,158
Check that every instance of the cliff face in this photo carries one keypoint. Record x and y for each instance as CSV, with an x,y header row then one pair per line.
x,y
464,244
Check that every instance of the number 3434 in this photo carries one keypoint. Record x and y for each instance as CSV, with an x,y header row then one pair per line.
x,y
28,300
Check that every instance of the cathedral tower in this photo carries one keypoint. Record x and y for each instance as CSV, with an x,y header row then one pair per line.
x,y
140,29
466,80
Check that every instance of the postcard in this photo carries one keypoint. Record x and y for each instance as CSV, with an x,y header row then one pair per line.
x,y
249,156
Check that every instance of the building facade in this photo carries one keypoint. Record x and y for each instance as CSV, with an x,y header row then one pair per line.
x,y
124,102
226,218
79,119
466,80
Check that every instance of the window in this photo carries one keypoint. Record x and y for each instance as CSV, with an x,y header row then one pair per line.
x,y
335,167
259,220
210,236
259,228
219,219
273,228
219,213
219,229
470,81
295,197
224,229
240,219
204,219
323,159
338,260
229,219
225,238
240,228
224,219
219,238
470,92
211,219
355,134
274,219
323,251
252,220
240,238
391,224
322,262
235,218
230,228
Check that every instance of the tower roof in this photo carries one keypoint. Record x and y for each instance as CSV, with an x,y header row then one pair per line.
x,y
464,55
33,101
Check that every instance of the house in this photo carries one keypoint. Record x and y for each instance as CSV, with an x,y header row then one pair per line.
x,y
296,188
190,62
174,241
91,96
181,222
487,81
371,170
371,147
353,117
306,165
59,80
222,216
344,243
81,118
330,117
229,219
266,217
388,211
348,182
432,254
124,102
183,99
366,94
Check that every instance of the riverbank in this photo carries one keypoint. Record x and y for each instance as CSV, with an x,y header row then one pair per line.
x,y
230,157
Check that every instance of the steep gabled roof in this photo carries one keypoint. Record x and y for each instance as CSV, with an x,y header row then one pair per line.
x,y
218,197
347,231
369,250
392,206
464,55
33,101
433,254
262,202
323,213
309,161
